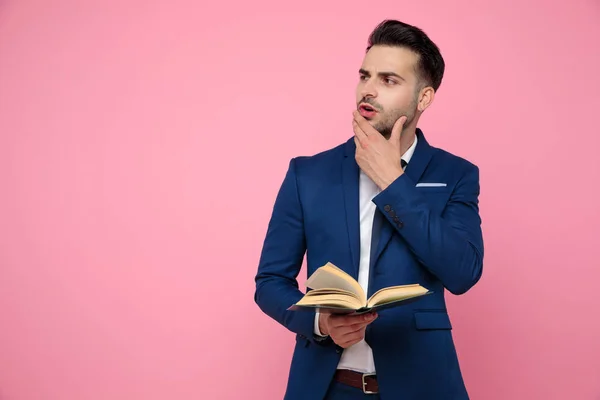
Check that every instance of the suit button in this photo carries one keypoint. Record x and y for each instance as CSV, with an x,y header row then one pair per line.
x,y
393,214
400,224
396,219
387,207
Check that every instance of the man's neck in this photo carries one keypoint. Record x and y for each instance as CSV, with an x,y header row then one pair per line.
x,y
407,138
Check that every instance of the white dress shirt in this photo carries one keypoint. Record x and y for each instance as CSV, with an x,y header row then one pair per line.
x,y
359,357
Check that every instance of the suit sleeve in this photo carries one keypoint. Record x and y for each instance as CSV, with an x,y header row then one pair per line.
x,y
281,260
450,245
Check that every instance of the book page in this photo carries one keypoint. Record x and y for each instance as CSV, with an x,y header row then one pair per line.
x,y
331,300
330,276
394,293
320,292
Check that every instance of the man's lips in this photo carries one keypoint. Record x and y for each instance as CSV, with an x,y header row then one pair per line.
x,y
367,111
367,107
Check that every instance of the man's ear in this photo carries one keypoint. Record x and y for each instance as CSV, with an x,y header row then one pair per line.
x,y
426,96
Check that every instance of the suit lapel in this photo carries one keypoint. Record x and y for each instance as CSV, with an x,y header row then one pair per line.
x,y
350,180
413,170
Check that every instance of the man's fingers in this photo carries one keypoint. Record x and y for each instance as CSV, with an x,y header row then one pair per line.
x,y
345,345
398,126
350,329
360,122
347,330
351,338
344,329
345,320
363,124
359,134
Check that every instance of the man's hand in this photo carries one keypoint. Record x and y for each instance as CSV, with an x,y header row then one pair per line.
x,y
377,157
345,330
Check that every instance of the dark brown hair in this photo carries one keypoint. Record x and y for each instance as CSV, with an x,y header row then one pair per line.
x,y
430,69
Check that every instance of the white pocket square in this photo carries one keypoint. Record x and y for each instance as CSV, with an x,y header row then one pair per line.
x,y
431,184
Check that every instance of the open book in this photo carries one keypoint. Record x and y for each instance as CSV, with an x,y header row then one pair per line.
x,y
334,291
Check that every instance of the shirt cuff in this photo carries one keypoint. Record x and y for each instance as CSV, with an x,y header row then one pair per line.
x,y
316,328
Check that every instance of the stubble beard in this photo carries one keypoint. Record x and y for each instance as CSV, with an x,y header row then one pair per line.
x,y
386,124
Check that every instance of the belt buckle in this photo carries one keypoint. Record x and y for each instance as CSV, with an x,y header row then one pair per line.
x,y
364,384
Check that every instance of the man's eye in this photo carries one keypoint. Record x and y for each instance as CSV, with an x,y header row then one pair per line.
x,y
390,81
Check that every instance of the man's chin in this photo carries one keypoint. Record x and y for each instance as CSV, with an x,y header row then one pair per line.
x,y
375,122
385,132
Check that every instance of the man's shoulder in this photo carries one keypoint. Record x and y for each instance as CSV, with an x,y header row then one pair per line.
x,y
449,159
327,157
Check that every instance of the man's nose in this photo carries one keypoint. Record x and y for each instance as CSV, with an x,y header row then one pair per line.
x,y
368,89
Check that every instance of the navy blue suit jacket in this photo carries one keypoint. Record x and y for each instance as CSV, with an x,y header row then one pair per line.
x,y
431,235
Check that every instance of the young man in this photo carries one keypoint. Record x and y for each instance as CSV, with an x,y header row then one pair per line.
x,y
389,209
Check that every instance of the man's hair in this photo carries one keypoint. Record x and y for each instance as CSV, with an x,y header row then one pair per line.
x,y
430,67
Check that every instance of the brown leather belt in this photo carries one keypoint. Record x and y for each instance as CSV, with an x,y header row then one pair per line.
x,y
366,382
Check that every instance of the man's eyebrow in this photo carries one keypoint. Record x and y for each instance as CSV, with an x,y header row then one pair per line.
x,y
383,74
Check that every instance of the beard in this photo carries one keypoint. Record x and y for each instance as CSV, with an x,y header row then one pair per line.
x,y
389,118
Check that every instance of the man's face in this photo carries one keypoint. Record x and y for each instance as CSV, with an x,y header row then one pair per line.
x,y
388,83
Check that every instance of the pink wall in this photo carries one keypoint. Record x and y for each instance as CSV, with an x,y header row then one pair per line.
x,y
141,147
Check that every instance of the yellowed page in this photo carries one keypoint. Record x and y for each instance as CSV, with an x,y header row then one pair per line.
x,y
334,300
319,292
330,276
394,293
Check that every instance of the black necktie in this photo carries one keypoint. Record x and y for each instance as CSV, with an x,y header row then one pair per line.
x,y
377,223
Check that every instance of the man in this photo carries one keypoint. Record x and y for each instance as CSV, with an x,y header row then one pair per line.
x,y
389,209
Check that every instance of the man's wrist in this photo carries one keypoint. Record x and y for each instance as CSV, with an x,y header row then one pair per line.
x,y
390,178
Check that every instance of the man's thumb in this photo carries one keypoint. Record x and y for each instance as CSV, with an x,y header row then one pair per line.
x,y
398,126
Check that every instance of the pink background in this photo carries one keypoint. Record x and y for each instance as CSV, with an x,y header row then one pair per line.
x,y
142,145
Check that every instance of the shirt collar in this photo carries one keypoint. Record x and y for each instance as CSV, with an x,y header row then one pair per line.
x,y
409,153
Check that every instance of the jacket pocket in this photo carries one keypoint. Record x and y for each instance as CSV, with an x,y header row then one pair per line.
x,y
433,189
425,320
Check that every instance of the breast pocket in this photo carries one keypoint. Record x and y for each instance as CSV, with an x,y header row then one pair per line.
x,y
433,189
